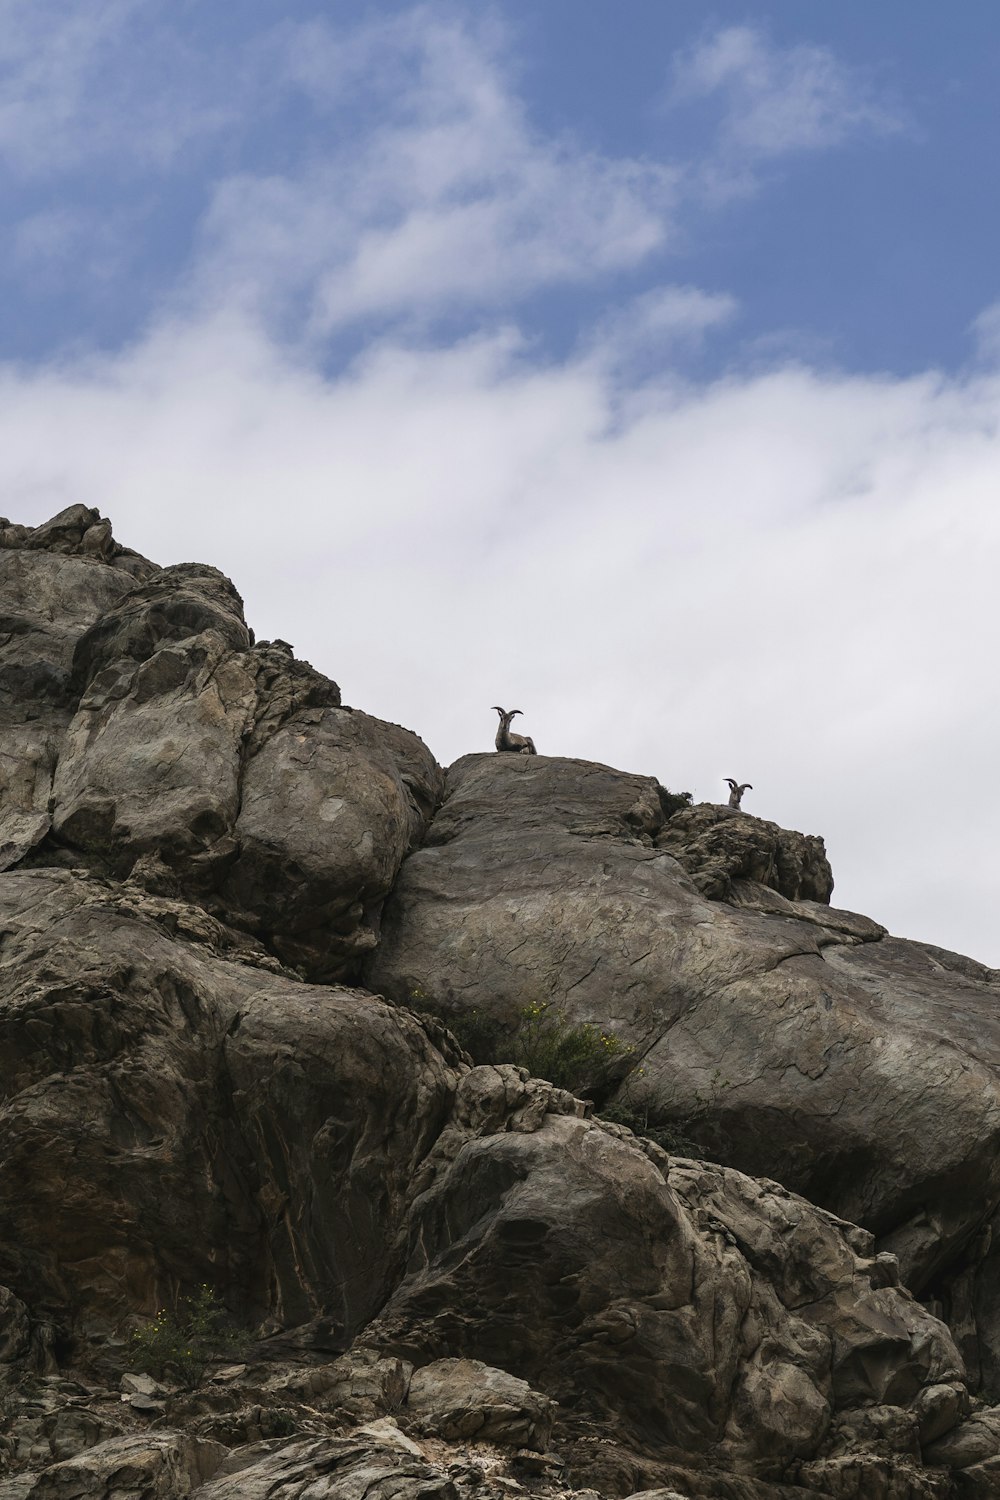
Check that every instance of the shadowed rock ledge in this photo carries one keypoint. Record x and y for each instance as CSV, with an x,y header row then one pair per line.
x,y
454,1280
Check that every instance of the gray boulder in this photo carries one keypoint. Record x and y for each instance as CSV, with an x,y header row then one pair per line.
x,y
790,1039
157,1466
719,846
463,1398
354,1468
146,733
172,1116
51,592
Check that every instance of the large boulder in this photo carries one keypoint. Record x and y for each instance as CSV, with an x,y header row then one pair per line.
x,y
151,761
463,1398
53,586
793,1040
330,802
147,733
175,1116
694,1307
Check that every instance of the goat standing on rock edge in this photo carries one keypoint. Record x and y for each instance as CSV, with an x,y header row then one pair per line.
x,y
514,744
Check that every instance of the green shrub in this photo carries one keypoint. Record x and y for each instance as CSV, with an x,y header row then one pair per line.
x,y
543,1039
483,1037
574,1057
178,1346
634,1107
673,802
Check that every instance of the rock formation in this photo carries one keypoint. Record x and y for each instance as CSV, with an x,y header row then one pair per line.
x,y
451,1280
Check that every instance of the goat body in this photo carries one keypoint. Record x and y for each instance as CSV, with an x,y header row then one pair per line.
x,y
506,741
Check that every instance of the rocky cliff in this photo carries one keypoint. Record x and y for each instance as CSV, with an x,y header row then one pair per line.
x,y
236,919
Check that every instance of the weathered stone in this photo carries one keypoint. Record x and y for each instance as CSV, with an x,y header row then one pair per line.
x,y
464,1398
15,1327
160,1466
976,1439
132,1384
231,771
362,1382
330,804
77,531
152,759
795,1041
335,1469
685,1300
719,845
46,602
177,1107
172,1118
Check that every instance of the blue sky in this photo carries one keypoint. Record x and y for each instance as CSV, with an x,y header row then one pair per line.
x,y
860,229
636,363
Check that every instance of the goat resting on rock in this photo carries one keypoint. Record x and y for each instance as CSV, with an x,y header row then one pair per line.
x,y
514,744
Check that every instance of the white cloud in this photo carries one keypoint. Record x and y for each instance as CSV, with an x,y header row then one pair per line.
x,y
780,99
985,330
109,81
452,200
784,577
650,331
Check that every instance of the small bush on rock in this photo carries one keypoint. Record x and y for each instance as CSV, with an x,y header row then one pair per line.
x,y
571,1056
576,1057
672,1138
178,1346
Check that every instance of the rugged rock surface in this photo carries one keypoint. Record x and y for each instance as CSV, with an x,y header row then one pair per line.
x,y
55,582
176,1113
146,732
796,1041
453,1279
720,846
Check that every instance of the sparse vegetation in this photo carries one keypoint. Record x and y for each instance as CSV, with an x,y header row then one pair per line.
x,y
579,1057
673,802
177,1346
679,1137
672,1137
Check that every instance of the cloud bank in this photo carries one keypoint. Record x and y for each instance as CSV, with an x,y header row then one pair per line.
x,y
782,574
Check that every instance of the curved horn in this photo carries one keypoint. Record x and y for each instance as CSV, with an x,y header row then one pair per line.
x,y
515,711
497,709
731,782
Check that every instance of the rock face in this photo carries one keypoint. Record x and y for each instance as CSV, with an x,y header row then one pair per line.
x,y
175,1113
797,1041
720,847
148,733
453,1280
55,582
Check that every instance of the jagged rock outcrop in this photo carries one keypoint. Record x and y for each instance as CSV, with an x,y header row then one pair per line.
x,y
455,1280
171,1117
720,846
54,584
147,732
